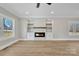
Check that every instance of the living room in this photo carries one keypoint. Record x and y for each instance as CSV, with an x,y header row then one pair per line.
x,y
46,28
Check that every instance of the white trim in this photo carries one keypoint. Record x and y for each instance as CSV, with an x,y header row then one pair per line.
x,y
4,46
23,39
73,39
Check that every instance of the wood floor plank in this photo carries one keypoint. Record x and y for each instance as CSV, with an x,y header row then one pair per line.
x,y
42,48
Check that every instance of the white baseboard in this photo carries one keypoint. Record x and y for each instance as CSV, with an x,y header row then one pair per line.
x,y
48,39
9,44
22,39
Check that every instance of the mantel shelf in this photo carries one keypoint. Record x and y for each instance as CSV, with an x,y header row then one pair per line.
x,y
39,27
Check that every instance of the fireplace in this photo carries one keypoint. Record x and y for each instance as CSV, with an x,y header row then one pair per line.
x,y
39,34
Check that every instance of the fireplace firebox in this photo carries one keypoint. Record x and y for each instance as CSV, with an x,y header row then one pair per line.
x,y
39,34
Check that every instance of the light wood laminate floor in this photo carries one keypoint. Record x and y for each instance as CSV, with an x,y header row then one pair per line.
x,y
42,48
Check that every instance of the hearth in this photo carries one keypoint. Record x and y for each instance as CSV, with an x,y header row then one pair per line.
x,y
39,34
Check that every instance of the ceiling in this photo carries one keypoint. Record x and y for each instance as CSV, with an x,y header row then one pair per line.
x,y
24,10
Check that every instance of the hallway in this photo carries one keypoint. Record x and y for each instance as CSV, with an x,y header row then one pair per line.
x,y
42,48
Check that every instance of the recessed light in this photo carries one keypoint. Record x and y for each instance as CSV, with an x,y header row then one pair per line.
x,y
27,13
52,12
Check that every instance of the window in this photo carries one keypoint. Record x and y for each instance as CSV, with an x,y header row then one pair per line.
x,y
74,28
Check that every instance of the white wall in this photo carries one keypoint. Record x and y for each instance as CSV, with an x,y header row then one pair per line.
x,y
4,42
61,27
23,28
1,33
